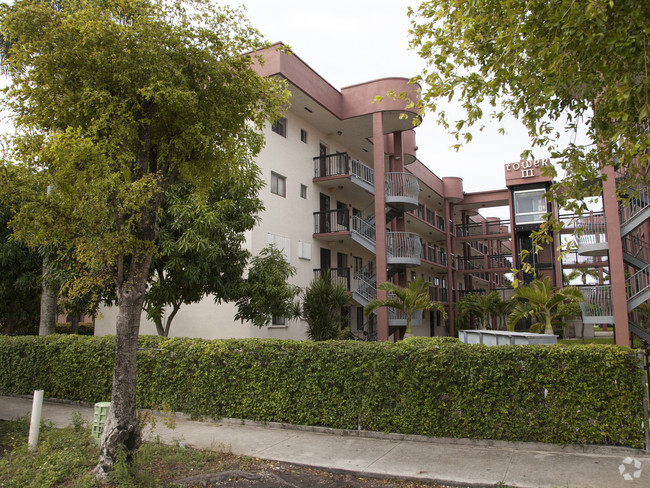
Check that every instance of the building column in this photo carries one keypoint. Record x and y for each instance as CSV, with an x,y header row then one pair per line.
x,y
450,273
616,265
380,219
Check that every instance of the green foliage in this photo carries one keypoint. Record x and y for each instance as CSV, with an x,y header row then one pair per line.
x,y
63,458
543,302
428,386
322,303
20,285
200,243
560,66
407,300
266,291
481,307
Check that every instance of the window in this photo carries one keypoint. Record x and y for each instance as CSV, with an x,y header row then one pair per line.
x,y
278,320
280,127
530,206
283,244
303,135
304,250
278,184
303,191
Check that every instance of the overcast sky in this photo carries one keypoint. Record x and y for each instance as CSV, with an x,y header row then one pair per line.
x,y
352,41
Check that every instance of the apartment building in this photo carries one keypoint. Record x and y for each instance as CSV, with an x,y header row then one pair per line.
x,y
345,192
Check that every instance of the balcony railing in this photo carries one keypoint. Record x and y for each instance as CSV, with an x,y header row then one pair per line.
x,y
638,283
637,248
403,245
402,185
500,261
362,171
598,301
337,275
332,165
592,225
340,164
470,262
575,258
337,220
365,285
363,228
483,228
636,204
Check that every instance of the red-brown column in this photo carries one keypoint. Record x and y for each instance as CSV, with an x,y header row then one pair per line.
x,y
380,219
616,267
450,274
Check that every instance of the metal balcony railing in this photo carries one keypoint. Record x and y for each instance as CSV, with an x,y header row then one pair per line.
x,y
402,185
638,283
575,258
364,228
636,204
365,285
594,229
332,165
500,261
403,245
337,220
362,171
337,275
598,301
483,228
470,262
637,248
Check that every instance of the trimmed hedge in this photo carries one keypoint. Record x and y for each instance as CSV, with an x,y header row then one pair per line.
x,y
435,387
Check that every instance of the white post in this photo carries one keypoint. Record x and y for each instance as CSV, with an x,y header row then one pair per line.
x,y
34,427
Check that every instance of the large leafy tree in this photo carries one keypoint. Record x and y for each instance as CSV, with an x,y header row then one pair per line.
x,y
543,302
200,244
560,66
408,300
115,102
322,305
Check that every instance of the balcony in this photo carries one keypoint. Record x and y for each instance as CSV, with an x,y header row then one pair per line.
x,y
635,211
402,191
484,229
333,225
592,239
349,173
597,306
337,275
403,249
396,318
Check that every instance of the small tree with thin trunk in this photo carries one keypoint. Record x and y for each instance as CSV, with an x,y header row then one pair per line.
x,y
408,300
541,301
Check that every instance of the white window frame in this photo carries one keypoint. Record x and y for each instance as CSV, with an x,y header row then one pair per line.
x,y
278,184
538,215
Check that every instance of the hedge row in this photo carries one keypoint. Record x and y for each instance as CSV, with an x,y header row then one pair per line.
x,y
433,387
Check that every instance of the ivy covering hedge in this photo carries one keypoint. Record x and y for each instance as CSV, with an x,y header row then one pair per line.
x,y
436,387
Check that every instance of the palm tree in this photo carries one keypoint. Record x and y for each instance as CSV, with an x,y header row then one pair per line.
x,y
540,300
503,309
479,306
407,300
322,304
582,273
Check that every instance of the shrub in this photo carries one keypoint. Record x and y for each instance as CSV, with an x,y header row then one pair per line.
x,y
429,386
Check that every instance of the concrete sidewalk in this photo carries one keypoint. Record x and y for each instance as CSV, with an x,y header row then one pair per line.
x,y
448,461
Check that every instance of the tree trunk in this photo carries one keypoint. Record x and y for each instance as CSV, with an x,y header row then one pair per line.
x,y
74,324
121,430
548,328
47,324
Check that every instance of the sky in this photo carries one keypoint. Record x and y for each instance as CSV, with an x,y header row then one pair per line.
x,y
353,41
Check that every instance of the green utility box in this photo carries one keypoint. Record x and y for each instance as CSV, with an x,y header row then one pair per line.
x,y
99,419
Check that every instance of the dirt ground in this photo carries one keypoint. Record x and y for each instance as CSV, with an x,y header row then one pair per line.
x,y
263,474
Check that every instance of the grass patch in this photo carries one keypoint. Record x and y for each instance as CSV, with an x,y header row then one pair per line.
x,y
66,457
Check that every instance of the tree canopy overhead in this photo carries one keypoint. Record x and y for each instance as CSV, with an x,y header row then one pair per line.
x,y
115,102
560,66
